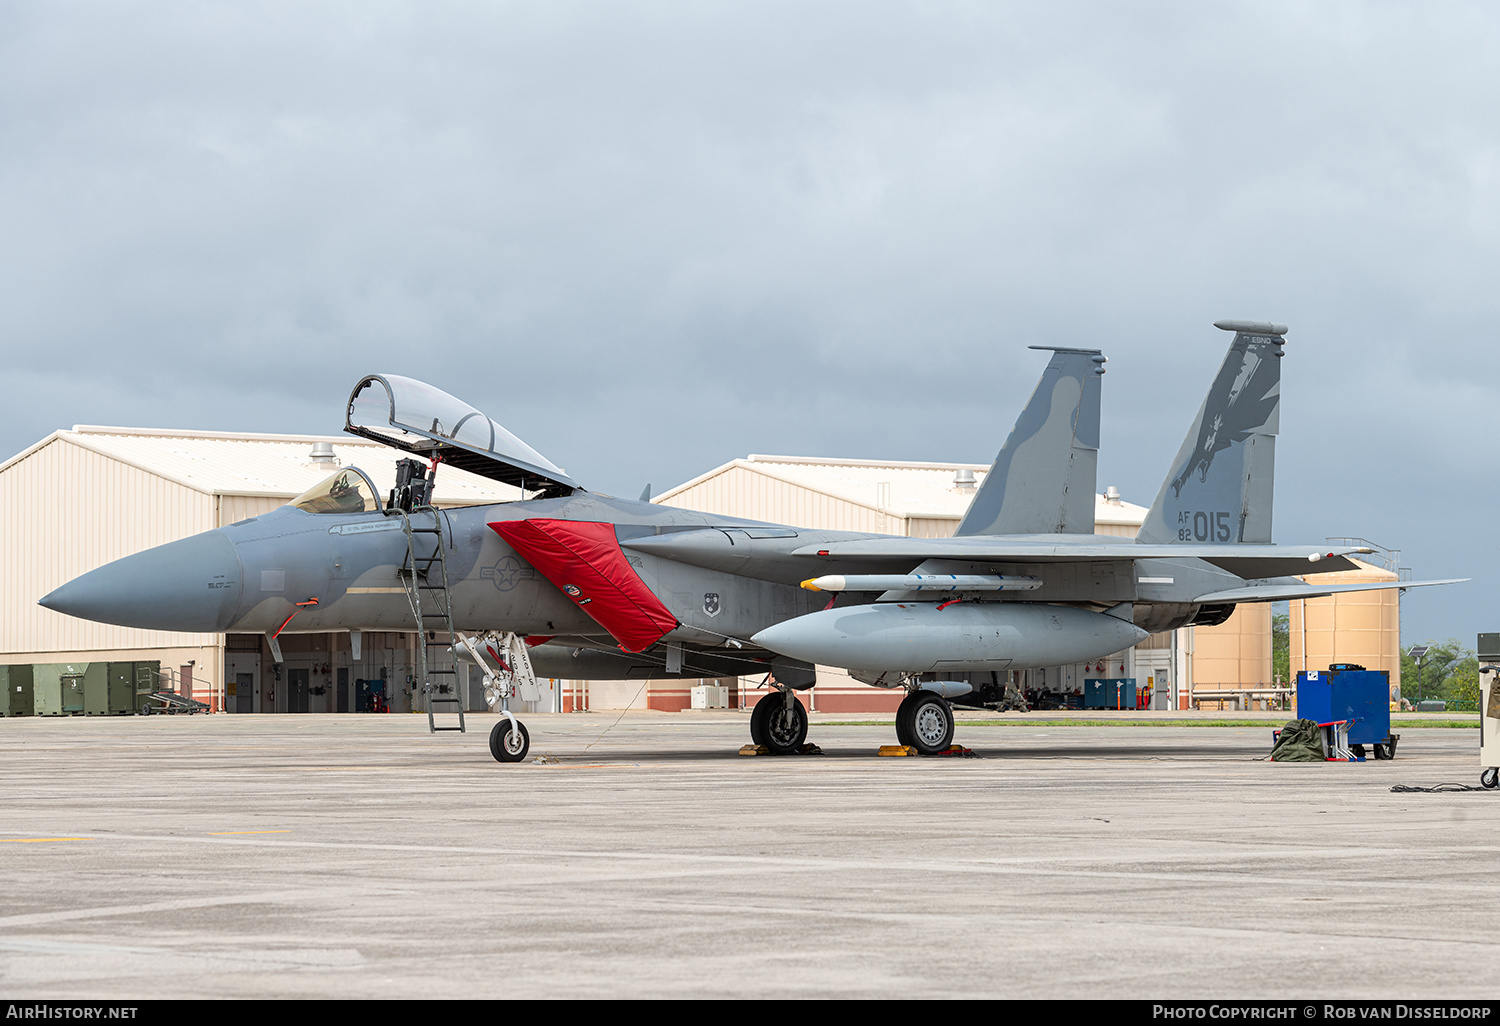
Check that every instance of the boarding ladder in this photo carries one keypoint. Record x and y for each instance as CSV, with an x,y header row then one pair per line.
x,y
425,573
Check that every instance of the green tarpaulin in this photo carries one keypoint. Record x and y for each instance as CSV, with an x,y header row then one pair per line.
x,y
1300,741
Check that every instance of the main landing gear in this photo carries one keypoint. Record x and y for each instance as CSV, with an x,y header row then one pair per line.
x,y
924,721
779,723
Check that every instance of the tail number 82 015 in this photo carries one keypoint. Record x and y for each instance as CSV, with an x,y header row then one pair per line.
x,y
1201,526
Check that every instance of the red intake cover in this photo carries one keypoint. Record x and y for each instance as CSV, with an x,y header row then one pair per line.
x,y
585,561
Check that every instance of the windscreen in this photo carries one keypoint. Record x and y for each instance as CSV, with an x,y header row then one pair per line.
x,y
347,491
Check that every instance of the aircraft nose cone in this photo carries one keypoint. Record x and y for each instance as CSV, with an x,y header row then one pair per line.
x,y
188,585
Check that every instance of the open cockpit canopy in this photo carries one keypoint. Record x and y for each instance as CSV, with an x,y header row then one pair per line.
x,y
413,415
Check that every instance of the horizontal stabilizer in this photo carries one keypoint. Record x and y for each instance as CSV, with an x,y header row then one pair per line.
x,y
1285,592
1257,568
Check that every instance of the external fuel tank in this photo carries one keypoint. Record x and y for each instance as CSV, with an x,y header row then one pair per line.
x,y
918,637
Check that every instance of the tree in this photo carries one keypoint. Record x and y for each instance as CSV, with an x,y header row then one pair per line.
x,y
1281,647
1444,660
1463,683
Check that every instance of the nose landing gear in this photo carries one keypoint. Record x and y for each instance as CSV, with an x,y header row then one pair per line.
x,y
509,740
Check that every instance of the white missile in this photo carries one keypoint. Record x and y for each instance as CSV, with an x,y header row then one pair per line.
x,y
922,582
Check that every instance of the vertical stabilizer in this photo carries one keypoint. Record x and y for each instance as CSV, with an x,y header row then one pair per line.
x,y
1043,481
1220,485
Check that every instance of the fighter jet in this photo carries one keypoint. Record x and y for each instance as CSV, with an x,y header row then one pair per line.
x,y
583,585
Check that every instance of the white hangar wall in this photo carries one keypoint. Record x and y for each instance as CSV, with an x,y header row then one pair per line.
x,y
68,508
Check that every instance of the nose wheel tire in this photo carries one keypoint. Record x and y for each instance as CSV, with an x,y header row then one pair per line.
x,y
925,722
508,745
781,730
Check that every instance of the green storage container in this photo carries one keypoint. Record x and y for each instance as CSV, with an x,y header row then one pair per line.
x,y
98,689
19,700
64,689
95,680
46,689
121,689
83,688
147,680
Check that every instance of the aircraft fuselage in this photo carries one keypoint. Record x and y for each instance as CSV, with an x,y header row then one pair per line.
x,y
292,571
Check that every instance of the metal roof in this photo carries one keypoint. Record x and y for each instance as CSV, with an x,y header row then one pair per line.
x,y
274,466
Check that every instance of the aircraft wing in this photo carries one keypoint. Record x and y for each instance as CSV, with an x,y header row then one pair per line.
x,y
785,554
1249,561
1278,591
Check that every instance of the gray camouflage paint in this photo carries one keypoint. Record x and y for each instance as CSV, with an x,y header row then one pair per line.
x,y
1220,488
1044,479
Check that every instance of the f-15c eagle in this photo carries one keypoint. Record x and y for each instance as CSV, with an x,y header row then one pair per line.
x,y
582,585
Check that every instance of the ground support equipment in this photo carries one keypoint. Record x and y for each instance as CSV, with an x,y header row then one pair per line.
x,y
1489,721
1355,695
171,703
1335,737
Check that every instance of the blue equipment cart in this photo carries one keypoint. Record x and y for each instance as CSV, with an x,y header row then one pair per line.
x,y
1352,693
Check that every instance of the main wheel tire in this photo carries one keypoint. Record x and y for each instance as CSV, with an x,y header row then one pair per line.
x,y
508,745
1489,778
903,723
781,730
928,722
758,715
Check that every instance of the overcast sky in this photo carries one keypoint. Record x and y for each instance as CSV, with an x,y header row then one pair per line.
x,y
650,238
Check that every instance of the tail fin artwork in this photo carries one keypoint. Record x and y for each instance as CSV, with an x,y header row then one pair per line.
x,y
1220,486
1043,480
